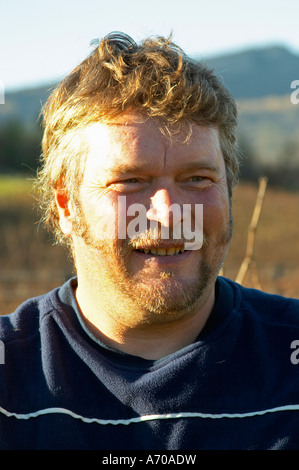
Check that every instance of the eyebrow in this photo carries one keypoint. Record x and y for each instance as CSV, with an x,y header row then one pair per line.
x,y
198,165
124,168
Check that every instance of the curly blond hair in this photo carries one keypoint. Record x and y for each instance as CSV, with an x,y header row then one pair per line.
x,y
154,78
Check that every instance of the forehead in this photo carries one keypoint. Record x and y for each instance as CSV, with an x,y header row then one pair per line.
x,y
140,143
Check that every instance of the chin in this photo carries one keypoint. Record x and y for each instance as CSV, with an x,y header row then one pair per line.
x,y
168,295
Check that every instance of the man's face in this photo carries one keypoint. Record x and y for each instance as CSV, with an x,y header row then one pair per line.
x,y
135,161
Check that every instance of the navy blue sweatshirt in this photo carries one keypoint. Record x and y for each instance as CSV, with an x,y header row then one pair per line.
x,y
235,387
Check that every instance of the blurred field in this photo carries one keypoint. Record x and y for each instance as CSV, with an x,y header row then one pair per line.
x,y
29,262
30,265
276,252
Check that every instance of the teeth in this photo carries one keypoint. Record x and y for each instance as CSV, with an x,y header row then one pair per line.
x,y
163,252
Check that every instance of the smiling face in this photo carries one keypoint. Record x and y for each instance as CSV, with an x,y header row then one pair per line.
x,y
134,160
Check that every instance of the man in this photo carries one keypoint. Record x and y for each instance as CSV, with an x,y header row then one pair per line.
x,y
147,347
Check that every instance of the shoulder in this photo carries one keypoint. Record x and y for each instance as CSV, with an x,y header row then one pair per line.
x,y
23,338
265,306
25,321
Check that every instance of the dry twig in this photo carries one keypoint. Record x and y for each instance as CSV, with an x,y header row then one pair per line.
x,y
248,260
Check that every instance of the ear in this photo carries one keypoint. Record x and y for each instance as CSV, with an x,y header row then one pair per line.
x,y
63,206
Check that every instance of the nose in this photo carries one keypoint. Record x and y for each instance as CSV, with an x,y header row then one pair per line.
x,y
163,209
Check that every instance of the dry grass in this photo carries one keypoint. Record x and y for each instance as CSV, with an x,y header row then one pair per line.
x,y
29,262
276,252
30,265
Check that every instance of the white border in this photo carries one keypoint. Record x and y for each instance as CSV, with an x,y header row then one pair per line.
x,y
140,419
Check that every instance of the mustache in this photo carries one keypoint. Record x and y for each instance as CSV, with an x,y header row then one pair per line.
x,y
155,239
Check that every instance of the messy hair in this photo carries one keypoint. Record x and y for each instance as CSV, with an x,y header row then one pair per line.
x,y
154,78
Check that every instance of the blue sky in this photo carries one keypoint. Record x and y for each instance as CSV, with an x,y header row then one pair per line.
x,y
42,41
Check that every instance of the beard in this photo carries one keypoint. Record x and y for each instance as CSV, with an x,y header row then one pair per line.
x,y
163,294
158,296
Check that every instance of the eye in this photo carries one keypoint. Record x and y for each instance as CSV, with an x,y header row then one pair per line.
x,y
127,182
197,182
195,179
130,181
128,185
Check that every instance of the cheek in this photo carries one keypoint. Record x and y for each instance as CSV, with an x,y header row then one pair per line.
x,y
101,218
216,215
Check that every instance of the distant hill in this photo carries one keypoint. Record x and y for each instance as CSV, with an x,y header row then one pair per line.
x,y
258,78
257,73
253,73
24,105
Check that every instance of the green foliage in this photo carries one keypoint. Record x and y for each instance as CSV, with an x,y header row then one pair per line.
x,y
16,187
283,173
20,148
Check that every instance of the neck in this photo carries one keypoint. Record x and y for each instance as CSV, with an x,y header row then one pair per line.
x,y
147,340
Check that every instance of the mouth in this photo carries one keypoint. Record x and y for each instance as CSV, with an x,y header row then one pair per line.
x,y
172,251
159,248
